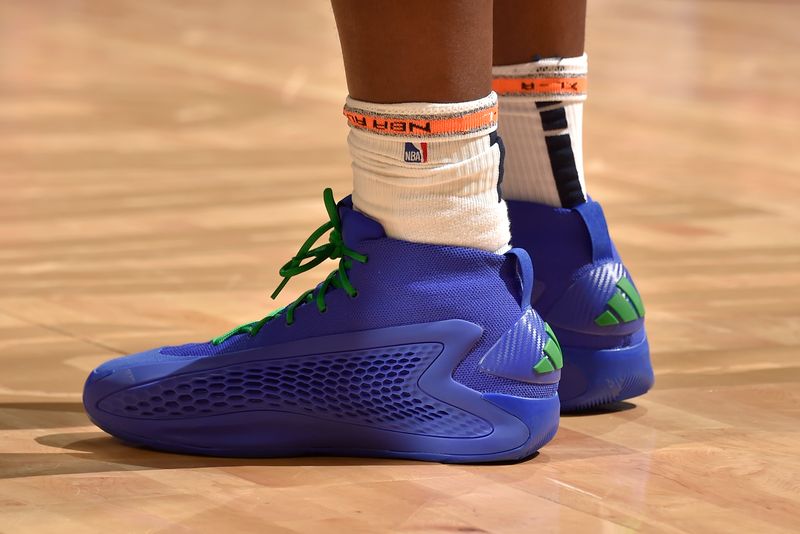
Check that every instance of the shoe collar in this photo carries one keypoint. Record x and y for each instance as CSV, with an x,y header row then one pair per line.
x,y
356,226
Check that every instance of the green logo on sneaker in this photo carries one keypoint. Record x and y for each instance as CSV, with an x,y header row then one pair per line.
x,y
625,306
552,358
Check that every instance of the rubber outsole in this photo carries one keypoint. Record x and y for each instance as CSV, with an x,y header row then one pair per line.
x,y
592,378
453,423
540,415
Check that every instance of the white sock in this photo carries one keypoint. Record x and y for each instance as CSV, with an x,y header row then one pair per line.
x,y
429,172
541,115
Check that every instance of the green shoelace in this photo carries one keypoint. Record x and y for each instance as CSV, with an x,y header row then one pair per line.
x,y
306,259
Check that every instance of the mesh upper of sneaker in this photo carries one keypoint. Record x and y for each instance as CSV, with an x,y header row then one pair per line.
x,y
403,283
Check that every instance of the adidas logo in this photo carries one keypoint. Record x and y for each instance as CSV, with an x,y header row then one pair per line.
x,y
625,306
552,358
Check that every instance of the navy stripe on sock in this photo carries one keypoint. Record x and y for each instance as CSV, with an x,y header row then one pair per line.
x,y
495,138
554,119
562,161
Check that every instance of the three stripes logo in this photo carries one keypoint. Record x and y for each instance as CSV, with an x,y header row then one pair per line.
x,y
552,359
625,306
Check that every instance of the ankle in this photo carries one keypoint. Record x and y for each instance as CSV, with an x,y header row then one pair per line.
x,y
429,173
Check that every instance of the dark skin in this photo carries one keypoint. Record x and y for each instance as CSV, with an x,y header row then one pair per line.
x,y
443,50
527,29
416,50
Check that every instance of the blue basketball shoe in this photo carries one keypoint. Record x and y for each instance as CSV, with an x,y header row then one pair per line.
x,y
406,350
587,296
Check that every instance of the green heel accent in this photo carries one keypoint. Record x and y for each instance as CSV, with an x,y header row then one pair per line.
x,y
627,287
606,319
626,305
622,308
553,358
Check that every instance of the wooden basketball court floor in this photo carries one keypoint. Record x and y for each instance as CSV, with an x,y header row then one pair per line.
x,y
160,160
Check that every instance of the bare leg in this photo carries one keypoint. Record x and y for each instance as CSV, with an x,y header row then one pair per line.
x,y
392,54
527,29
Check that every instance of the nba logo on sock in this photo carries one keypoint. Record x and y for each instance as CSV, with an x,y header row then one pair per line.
x,y
412,154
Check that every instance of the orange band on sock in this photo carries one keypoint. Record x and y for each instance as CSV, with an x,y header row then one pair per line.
x,y
573,86
421,126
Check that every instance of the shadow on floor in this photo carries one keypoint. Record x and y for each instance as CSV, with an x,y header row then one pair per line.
x,y
97,452
25,415
614,407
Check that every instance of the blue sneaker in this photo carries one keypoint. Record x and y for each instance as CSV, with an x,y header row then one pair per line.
x,y
588,297
407,350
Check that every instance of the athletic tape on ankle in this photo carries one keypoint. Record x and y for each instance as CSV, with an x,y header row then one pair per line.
x,y
420,120
548,79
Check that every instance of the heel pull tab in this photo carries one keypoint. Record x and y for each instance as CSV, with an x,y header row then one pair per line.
x,y
525,271
595,222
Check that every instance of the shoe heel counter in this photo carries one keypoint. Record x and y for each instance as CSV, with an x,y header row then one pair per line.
x,y
602,301
528,352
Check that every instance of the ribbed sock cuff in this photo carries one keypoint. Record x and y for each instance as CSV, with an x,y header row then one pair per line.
x,y
562,79
423,120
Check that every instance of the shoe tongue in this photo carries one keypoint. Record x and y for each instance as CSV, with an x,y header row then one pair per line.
x,y
356,226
